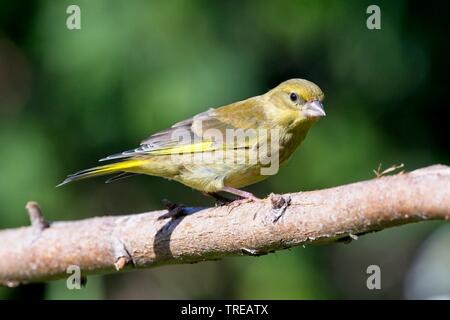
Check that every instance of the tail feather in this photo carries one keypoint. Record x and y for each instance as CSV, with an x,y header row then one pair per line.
x,y
121,176
102,170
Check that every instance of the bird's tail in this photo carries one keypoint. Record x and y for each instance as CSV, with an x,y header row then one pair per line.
x,y
103,170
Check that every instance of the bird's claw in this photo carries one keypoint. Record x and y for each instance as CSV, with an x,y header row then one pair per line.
x,y
236,203
174,210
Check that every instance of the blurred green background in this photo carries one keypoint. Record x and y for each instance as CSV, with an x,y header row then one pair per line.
x,y
70,97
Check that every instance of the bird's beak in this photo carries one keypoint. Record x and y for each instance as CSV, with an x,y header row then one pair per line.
x,y
313,109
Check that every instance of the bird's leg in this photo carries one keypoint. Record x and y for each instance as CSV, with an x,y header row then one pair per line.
x,y
244,197
240,193
220,200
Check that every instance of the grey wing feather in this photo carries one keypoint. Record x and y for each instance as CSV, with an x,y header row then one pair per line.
x,y
129,153
162,139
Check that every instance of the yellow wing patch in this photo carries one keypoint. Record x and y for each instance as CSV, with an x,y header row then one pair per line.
x,y
189,148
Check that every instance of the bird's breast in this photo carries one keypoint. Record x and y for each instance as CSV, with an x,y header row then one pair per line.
x,y
290,139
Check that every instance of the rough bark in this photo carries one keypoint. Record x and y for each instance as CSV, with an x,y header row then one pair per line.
x,y
114,243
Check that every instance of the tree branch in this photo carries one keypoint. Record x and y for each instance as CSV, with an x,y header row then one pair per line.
x,y
107,244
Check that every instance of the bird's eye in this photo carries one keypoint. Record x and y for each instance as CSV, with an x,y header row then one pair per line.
x,y
293,96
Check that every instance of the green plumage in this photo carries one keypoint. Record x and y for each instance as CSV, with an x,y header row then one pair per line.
x,y
289,109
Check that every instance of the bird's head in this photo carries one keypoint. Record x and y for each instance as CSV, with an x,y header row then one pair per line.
x,y
301,95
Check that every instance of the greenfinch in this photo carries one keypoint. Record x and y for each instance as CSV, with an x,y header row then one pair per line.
x,y
226,148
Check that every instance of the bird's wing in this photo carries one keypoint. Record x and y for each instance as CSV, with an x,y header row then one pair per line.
x,y
194,134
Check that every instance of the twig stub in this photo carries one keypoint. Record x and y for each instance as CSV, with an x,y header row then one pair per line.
x,y
36,218
121,263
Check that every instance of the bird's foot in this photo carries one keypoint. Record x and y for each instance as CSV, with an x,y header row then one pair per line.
x,y
279,205
243,197
174,210
220,200
236,203
246,197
